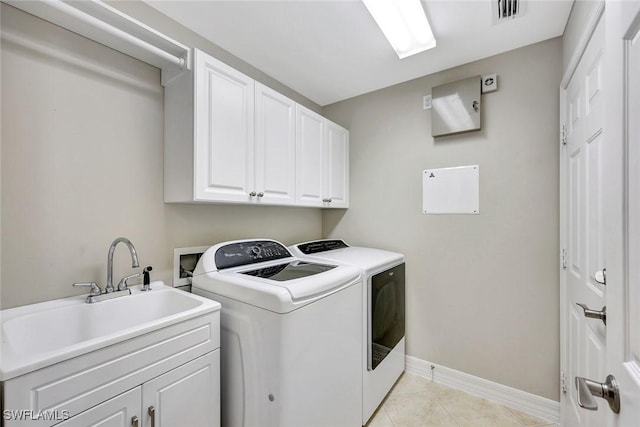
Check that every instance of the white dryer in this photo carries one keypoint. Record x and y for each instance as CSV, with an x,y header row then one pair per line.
x,y
291,336
383,352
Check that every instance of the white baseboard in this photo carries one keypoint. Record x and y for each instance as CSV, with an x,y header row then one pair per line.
x,y
528,403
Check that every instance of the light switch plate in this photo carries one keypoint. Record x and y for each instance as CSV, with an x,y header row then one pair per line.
x,y
426,102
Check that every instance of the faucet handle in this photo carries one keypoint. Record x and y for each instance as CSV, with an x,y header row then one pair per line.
x,y
123,285
95,289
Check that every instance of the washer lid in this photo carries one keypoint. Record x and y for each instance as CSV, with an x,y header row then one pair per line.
x,y
289,271
277,296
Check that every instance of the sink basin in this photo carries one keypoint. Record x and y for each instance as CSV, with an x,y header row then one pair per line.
x,y
38,335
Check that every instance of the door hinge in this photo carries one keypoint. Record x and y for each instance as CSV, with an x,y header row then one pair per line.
x,y
563,382
563,259
563,135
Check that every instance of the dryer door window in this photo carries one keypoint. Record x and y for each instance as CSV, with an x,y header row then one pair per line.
x,y
386,313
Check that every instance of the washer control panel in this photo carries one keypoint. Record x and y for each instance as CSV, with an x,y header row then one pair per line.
x,y
249,252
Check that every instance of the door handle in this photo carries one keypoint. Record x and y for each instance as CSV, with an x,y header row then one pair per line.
x,y
601,276
152,413
594,314
134,421
607,390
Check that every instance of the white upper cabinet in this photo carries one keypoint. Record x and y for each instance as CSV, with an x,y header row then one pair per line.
x,y
309,157
275,147
224,117
336,166
322,153
209,135
229,139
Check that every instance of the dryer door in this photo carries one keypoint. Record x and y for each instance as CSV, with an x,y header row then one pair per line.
x,y
386,314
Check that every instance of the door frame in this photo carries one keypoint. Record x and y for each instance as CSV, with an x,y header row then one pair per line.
x,y
592,22
622,22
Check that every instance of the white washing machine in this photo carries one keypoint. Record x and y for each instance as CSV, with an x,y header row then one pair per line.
x,y
291,335
383,352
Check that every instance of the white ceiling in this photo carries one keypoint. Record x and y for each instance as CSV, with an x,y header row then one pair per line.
x,y
330,50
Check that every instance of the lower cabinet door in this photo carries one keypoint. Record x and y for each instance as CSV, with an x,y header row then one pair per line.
x,y
186,396
120,411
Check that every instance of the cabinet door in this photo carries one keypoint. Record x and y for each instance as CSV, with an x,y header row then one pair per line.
x,y
275,147
121,411
224,114
186,396
337,166
309,157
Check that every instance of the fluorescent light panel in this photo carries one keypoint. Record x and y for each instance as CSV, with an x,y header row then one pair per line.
x,y
404,24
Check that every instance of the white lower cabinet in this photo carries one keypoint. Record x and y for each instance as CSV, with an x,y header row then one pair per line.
x,y
185,396
165,378
121,411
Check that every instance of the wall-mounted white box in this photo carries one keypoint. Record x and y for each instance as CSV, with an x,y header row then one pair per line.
x,y
489,83
451,190
184,262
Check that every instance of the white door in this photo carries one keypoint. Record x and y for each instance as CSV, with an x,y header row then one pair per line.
x,y
622,215
337,166
275,148
310,128
186,396
224,115
121,411
583,339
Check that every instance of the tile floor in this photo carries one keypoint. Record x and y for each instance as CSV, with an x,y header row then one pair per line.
x,y
418,402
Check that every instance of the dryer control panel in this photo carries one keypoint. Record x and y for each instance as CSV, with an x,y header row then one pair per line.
x,y
249,252
311,248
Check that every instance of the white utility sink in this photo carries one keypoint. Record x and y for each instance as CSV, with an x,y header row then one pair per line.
x,y
39,335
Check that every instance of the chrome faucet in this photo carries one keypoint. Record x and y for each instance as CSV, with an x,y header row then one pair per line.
x,y
112,248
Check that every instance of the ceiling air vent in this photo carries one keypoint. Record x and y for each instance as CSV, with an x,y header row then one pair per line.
x,y
504,10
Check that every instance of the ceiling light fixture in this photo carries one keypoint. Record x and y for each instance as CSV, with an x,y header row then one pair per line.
x,y
404,24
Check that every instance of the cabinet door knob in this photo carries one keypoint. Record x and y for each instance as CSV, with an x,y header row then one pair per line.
x,y
252,194
260,194
152,414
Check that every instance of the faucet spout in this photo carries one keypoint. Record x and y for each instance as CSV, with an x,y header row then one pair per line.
x,y
134,260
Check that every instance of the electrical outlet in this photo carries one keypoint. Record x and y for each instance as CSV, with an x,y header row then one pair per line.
x,y
426,102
